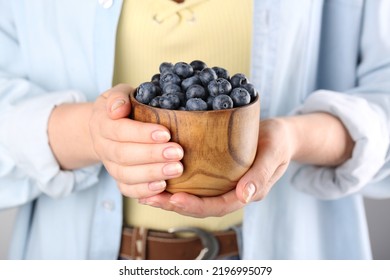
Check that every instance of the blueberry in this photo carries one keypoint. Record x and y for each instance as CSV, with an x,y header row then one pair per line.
x,y
169,101
155,78
194,86
221,72
166,67
251,89
198,65
157,84
158,89
186,83
238,79
169,77
222,101
207,75
196,104
183,70
219,86
182,97
155,102
209,102
171,88
196,91
146,92
240,97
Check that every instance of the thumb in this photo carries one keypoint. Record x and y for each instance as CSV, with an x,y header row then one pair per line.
x,y
118,101
259,179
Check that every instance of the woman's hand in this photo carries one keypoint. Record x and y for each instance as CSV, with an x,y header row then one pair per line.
x,y
318,139
273,155
137,155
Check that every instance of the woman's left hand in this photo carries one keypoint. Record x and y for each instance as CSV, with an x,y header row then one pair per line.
x,y
318,139
273,156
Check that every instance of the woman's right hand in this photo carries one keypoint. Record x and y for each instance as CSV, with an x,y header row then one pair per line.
x,y
137,155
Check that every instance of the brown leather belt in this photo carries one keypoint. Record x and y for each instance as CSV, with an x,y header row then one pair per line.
x,y
144,244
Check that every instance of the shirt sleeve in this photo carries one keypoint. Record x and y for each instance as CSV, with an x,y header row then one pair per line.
x,y
27,157
365,113
28,167
368,126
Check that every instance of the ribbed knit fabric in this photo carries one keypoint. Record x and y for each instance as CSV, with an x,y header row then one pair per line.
x,y
153,31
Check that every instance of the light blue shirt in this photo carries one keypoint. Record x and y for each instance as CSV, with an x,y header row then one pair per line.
x,y
308,56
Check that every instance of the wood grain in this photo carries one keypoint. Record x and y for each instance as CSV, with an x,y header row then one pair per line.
x,y
219,146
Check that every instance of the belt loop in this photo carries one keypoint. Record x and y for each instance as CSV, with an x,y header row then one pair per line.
x,y
139,243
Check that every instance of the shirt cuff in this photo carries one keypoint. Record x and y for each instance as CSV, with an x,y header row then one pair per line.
x,y
26,142
368,129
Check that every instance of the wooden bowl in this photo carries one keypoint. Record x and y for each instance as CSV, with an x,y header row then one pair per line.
x,y
219,146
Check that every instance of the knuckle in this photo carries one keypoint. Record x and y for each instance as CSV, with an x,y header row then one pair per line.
x,y
117,172
264,175
128,190
154,172
110,168
116,129
121,155
123,188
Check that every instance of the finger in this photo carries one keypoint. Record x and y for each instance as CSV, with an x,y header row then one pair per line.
x,y
138,174
127,130
118,101
257,182
142,190
194,206
201,207
160,200
139,154
114,107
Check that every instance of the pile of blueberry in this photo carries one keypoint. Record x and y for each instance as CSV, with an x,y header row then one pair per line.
x,y
195,87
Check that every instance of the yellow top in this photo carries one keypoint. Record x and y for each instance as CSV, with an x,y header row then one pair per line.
x,y
154,31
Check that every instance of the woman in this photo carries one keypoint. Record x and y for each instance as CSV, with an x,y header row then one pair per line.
x,y
324,63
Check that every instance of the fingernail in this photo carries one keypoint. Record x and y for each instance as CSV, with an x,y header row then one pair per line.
x,y
172,169
118,103
173,153
249,191
157,186
161,135
176,204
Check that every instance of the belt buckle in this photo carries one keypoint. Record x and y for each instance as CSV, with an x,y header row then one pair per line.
x,y
210,243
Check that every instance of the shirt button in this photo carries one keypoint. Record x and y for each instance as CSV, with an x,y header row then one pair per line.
x,y
106,4
108,205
